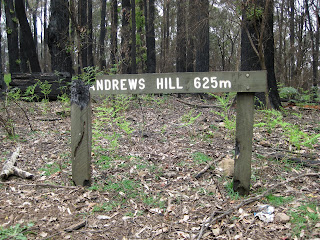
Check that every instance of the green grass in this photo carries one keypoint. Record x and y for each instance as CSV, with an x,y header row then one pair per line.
x,y
15,232
51,168
304,218
199,158
278,200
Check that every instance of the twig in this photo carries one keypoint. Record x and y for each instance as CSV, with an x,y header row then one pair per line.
x,y
208,166
196,105
212,219
41,185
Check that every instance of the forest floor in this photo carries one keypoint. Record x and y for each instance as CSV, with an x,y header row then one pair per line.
x,y
144,162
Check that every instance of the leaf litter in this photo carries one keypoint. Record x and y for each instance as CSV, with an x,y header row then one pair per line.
x,y
149,189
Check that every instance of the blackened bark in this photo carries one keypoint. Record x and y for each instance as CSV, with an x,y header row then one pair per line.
x,y
34,20
90,35
292,37
191,35
251,46
181,58
2,83
12,35
202,48
114,31
83,20
58,36
28,43
102,60
133,37
125,38
150,36
269,50
24,67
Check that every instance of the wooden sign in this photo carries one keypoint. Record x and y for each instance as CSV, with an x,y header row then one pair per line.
x,y
166,83
244,83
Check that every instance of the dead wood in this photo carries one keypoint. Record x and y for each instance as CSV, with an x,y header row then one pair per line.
x,y
247,201
41,185
76,226
196,105
9,168
208,166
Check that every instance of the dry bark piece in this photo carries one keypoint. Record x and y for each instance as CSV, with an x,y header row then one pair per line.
x,y
9,168
76,226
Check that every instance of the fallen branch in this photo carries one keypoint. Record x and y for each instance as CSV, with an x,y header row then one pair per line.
x,y
208,166
212,218
76,226
41,185
196,105
10,169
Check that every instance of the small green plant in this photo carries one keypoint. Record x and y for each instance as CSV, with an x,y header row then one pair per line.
x,y
278,200
15,232
304,218
295,136
288,92
225,104
199,158
189,118
50,169
229,188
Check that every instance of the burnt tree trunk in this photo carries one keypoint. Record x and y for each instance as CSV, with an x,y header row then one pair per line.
x,y
12,35
27,44
149,13
181,57
103,30
58,36
114,32
202,48
125,38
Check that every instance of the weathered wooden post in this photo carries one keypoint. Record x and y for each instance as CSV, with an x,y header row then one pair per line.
x,y
81,133
243,148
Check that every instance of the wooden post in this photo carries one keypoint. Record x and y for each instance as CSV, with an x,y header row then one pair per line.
x,y
81,133
243,149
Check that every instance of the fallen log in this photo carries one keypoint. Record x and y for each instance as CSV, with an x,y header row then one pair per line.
x,y
9,168
59,83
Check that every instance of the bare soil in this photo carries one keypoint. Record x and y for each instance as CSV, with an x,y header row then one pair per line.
x,y
143,185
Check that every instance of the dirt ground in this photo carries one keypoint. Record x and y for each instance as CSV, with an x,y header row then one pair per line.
x,y
143,174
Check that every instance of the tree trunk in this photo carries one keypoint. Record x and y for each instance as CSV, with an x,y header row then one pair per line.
x,y
133,37
102,61
58,36
12,36
125,38
46,63
83,21
2,83
191,35
28,43
114,31
181,57
90,35
34,19
292,37
24,66
202,49
257,48
314,48
150,35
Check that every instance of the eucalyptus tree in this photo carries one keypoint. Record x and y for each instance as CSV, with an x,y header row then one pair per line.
x,y
27,44
58,36
12,36
257,46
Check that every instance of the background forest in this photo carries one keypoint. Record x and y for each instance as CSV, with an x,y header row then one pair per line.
x,y
136,36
